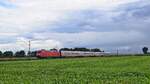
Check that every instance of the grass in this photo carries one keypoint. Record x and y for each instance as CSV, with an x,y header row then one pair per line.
x,y
17,58
98,70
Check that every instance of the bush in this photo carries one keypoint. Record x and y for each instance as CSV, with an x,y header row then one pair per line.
x,y
1,54
20,54
8,54
33,54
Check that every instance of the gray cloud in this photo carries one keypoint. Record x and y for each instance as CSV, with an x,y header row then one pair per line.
x,y
127,26
124,26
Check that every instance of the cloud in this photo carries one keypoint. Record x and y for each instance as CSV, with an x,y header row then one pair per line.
x,y
71,23
23,43
99,39
28,15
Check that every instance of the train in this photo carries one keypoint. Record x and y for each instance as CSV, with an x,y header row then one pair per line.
x,y
58,53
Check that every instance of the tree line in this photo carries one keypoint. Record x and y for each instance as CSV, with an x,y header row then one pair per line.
x,y
21,53
82,49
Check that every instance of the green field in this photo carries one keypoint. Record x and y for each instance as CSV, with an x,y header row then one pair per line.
x,y
96,70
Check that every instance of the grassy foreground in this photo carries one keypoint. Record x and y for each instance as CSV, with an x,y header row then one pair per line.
x,y
98,70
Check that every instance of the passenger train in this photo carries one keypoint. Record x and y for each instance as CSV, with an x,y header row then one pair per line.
x,y
56,53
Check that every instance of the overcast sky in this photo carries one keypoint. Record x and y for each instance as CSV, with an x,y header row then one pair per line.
x,y
105,24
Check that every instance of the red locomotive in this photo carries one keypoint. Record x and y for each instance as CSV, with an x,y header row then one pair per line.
x,y
48,53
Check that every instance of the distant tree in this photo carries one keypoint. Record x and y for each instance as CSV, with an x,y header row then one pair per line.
x,y
20,53
95,50
1,54
33,54
8,54
65,49
145,50
81,49
54,49
29,53
17,54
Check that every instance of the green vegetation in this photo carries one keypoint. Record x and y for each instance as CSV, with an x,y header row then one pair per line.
x,y
8,54
97,70
81,49
20,53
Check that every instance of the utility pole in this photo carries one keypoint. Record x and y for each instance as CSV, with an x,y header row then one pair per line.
x,y
29,52
117,52
28,43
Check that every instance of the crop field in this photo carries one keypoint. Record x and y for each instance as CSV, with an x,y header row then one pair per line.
x,y
95,70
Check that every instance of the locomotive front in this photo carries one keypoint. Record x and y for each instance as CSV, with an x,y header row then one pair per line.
x,y
48,53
